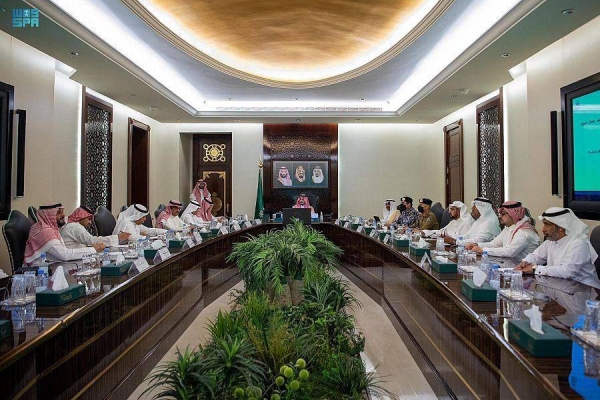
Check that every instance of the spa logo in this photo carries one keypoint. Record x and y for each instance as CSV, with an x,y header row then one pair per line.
x,y
25,17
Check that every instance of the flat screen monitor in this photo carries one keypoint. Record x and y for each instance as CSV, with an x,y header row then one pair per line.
x,y
581,147
302,214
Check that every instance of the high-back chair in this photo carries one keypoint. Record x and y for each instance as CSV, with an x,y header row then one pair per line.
x,y
32,212
446,218
438,210
104,221
16,233
595,239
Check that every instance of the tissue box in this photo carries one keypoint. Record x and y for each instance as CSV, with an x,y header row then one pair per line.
x,y
551,344
276,220
214,231
417,251
443,268
368,229
401,242
206,235
115,270
176,244
60,297
383,233
4,329
354,226
475,293
150,253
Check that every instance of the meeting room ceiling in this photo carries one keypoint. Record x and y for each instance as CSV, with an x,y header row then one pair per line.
x,y
296,61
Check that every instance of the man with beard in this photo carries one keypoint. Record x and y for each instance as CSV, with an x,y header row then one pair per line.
x,y
317,175
303,202
201,196
44,237
169,218
427,220
75,233
284,176
300,174
567,252
456,226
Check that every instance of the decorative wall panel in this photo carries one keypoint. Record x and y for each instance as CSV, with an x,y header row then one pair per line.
x,y
302,142
96,160
490,144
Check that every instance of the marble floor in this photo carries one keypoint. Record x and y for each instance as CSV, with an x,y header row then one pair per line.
x,y
384,349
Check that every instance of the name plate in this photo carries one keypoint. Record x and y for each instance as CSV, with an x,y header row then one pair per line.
x,y
373,233
236,227
425,259
162,255
189,243
247,224
223,231
257,221
386,239
360,229
347,225
337,221
139,265
197,237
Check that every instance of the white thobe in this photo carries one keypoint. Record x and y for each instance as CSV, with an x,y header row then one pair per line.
x,y
76,236
576,263
482,231
525,241
173,223
192,219
136,230
455,228
61,253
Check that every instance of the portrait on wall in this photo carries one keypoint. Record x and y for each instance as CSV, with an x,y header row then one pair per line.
x,y
300,174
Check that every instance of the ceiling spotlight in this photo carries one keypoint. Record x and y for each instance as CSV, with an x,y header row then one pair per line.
x,y
236,120
416,120
298,120
568,11
132,94
154,108
74,53
433,109
362,99
454,96
463,91
230,98
296,98
505,55
359,119
178,120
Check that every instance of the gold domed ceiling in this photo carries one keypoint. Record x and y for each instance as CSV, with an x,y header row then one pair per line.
x,y
291,43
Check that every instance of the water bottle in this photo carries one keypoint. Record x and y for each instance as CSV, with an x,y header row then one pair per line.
x,y
409,234
140,247
393,231
105,257
460,250
494,276
485,264
43,259
321,216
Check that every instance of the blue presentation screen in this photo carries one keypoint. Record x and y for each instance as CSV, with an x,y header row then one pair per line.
x,y
586,147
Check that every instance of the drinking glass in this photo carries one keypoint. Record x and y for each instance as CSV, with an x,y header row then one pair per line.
x,y
19,287
590,361
439,245
516,284
30,286
507,277
590,322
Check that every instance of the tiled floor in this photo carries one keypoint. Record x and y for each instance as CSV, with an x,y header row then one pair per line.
x,y
384,348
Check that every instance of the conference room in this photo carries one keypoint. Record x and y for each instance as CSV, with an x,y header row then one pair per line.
x,y
169,168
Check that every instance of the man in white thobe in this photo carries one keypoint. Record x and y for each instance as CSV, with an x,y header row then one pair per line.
x,y
567,252
457,226
169,218
44,237
517,239
75,233
131,221
483,220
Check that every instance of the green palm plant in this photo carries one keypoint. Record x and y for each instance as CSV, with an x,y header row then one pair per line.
x,y
329,291
182,379
348,376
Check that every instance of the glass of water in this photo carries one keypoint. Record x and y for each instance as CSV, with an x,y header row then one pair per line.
x,y
439,245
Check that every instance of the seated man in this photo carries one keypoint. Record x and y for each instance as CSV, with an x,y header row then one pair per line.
x,y
517,239
202,197
44,237
76,235
191,215
303,202
483,220
169,218
457,226
390,213
427,220
408,215
567,252
131,221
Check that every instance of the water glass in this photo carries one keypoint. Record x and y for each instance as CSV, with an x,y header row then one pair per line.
x,y
590,361
19,288
590,322
416,236
507,277
439,245
516,284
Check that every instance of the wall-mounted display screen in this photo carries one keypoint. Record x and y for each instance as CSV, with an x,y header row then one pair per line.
x,y
301,174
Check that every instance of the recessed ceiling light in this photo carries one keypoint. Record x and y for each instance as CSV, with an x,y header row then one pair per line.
x,y
505,55
433,109
359,119
154,108
298,120
362,99
74,53
454,96
416,120
230,98
178,120
132,94
568,11
296,98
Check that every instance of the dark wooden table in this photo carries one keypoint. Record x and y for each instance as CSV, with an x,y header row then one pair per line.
x,y
462,347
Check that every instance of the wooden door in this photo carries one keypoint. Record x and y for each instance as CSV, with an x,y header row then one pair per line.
x,y
453,143
212,162
138,164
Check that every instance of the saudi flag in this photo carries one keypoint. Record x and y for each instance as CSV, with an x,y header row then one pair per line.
x,y
260,202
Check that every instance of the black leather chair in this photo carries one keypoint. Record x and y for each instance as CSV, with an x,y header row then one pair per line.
x,y
124,208
104,221
148,222
595,239
16,233
446,218
438,211
32,212
314,200
161,208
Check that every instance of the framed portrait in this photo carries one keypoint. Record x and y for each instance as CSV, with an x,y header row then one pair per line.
x,y
300,174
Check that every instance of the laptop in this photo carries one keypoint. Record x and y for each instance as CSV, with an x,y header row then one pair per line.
x,y
302,214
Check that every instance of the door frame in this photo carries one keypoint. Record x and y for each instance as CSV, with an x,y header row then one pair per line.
x,y
457,124
132,123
